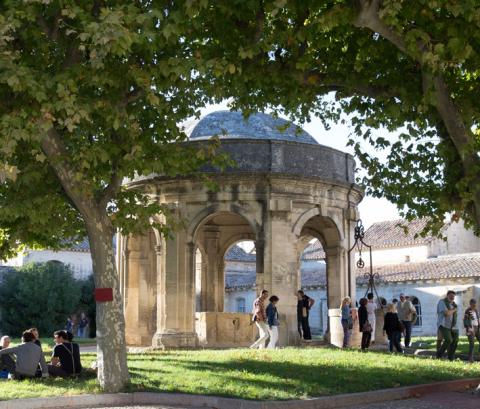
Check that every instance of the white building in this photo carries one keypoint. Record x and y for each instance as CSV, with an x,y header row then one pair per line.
x,y
423,268
77,257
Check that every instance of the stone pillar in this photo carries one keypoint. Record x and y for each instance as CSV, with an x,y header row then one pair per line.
x,y
214,282
176,295
138,311
337,282
280,275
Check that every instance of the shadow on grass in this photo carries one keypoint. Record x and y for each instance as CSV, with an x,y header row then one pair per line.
x,y
253,378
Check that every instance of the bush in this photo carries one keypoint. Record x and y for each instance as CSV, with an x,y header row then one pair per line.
x,y
87,304
38,295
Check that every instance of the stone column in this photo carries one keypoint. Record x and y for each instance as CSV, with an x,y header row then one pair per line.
x,y
280,270
137,313
337,282
214,281
176,295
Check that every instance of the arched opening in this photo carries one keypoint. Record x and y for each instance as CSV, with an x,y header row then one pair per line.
x,y
225,270
312,278
240,275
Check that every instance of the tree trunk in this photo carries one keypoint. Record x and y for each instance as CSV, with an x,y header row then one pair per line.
x,y
113,373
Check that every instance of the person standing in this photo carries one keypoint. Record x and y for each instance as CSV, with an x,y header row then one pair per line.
x,y
272,320
371,308
471,323
347,320
447,325
304,304
29,356
406,312
260,318
365,326
393,328
82,326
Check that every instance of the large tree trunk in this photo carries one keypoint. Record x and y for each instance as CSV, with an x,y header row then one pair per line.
x,y
112,355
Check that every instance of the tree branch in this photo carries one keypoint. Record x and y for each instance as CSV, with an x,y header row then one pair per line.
x,y
57,155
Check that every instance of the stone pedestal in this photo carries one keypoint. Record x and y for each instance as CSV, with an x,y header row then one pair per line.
x,y
336,329
174,340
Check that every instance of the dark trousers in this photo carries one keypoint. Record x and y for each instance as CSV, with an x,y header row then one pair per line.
x,y
366,337
304,327
408,332
54,370
449,344
394,341
474,334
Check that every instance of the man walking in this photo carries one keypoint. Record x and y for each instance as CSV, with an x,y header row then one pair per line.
x,y
406,312
447,325
304,304
260,318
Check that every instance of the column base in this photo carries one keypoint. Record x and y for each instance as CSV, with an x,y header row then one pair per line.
x,y
174,340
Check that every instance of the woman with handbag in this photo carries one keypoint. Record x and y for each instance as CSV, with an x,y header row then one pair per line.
x,y
347,321
365,326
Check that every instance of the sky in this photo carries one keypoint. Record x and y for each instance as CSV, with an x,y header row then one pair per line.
x,y
371,209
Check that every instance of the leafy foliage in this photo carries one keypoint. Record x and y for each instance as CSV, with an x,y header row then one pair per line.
x,y
38,295
403,66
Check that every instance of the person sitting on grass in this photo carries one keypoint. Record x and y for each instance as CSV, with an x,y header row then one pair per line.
x,y
6,361
29,356
65,356
34,331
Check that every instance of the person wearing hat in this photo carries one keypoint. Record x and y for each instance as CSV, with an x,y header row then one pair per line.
x,y
406,314
471,324
447,325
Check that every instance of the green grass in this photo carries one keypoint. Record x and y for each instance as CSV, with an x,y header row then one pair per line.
x,y
282,374
430,343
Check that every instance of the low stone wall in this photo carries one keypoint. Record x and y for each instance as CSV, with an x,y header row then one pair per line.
x,y
224,329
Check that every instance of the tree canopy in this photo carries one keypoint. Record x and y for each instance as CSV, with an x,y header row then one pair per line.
x,y
410,67
91,93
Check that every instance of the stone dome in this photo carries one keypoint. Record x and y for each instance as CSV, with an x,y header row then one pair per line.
x,y
232,125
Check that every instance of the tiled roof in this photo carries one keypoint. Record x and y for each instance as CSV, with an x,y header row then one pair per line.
x,y
314,251
446,267
391,233
236,253
82,246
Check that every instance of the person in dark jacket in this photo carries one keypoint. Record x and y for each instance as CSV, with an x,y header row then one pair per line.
x,y
365,326
304,304
393,328
272,321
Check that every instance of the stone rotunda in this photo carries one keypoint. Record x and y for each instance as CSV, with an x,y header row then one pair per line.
x,y
284,191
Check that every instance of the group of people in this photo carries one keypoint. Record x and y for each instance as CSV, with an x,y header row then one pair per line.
x,y
81,325
267,321
28,361
401,315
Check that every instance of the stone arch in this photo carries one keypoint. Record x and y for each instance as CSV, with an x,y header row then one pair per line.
x,y
205,214
235,239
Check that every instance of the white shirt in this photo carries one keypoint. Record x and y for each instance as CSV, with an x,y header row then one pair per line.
x,y
371,307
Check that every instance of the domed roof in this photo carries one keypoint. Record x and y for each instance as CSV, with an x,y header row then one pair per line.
x,y
232,125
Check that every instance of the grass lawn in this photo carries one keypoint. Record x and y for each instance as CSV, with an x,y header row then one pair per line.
x,y
430,343
282,374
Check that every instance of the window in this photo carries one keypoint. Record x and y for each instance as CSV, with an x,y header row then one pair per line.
x,y
240,304
418,307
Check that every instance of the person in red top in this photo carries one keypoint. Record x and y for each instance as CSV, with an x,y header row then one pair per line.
x,y
260,318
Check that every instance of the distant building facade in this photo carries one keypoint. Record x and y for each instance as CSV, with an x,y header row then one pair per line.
x,y
423,268
76,256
